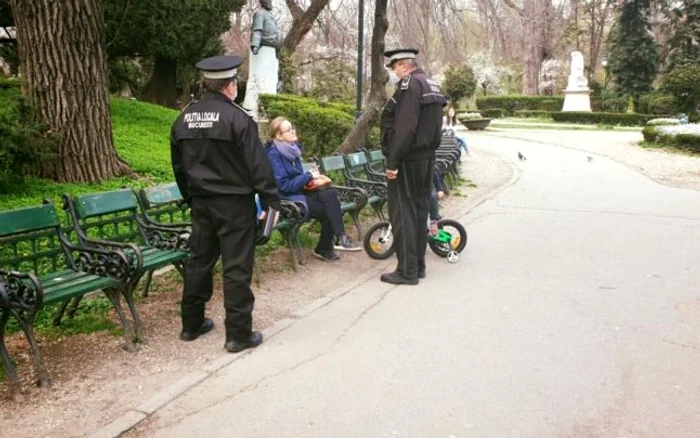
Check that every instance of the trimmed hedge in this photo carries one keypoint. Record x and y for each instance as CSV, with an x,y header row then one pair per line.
x,y
321,126
493,113
623,119
521,102
533,113
686,141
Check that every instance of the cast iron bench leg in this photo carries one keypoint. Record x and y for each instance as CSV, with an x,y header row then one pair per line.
x,y
114,295
15,389
26,322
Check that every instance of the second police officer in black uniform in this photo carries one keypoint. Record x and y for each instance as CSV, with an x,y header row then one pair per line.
x,y
219,165
411,129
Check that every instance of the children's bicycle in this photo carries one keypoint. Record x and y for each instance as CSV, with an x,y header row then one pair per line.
x,y
448,242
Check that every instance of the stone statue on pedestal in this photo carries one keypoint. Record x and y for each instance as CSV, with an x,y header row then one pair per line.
x,y
577,80
263,69
577,94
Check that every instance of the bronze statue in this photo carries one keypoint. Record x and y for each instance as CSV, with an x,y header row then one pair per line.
x,y
263,71
263,31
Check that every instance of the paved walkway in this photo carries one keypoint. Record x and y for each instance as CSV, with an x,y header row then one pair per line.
x,y
575,311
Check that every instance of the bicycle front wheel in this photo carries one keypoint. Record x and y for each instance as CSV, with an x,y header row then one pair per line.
x,y
379,241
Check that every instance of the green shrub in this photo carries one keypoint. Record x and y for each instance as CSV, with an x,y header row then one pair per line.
x,y
686,137
493,113
533,113
614,105
682,82
23,140
517,103
650,134
655,103
321,127
458,83
622,119
469,115
663,122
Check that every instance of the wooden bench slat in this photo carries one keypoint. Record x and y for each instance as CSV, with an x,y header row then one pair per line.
x,y
92,283
163,194
28,219
97,204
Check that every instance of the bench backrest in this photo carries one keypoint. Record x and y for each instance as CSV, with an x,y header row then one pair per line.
x,y
30,240
334,167
106,215
164,204
356,165
375,156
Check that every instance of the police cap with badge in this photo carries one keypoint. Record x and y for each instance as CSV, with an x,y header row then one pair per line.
x,y
220,67
399,54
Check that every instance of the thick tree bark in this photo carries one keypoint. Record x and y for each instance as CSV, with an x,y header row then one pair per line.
x,y
377,92
64,72
161,89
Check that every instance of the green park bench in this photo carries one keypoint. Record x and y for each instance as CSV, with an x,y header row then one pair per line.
x,y
40,266
112,220
163,206
352,199
375,165
356,175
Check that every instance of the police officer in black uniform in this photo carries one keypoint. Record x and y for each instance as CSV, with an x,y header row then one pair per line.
x,y
411,125
219,165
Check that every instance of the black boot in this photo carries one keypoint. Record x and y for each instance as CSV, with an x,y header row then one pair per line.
x,y
253,341
206,327
396,278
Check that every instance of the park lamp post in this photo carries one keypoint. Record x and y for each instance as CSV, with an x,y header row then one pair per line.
x,y
604,63
360,45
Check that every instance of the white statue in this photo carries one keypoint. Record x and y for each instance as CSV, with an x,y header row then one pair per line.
x,y
577,80
577,94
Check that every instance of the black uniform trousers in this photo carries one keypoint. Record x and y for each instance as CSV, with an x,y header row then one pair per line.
x,y
221,225
409,202
324,205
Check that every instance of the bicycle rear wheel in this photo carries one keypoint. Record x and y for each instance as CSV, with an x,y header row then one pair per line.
x,y
451,237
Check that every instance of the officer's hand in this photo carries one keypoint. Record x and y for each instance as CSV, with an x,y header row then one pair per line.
x,y
392,174
255,50
441,195
263,215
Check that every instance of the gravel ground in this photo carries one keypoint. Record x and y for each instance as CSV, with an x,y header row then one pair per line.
x,y
95,381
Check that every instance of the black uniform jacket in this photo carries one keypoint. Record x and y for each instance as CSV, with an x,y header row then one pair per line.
x,y
216,150
411,122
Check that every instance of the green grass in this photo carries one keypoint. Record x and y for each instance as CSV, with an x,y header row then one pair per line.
x,y
91,316
141,137
547,123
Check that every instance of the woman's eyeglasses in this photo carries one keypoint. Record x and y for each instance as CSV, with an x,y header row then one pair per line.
x,y
289,130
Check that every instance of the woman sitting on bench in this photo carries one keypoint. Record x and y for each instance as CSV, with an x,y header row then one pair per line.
x,y
284,153
450,122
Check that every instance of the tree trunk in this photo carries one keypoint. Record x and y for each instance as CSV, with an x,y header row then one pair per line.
x,y
377,92
64,72
162,88
301,24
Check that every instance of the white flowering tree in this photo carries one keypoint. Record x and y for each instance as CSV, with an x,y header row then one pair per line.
x,y
552,76
489,76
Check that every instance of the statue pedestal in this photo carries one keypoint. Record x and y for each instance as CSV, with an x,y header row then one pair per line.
x,y
263,76
577,100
